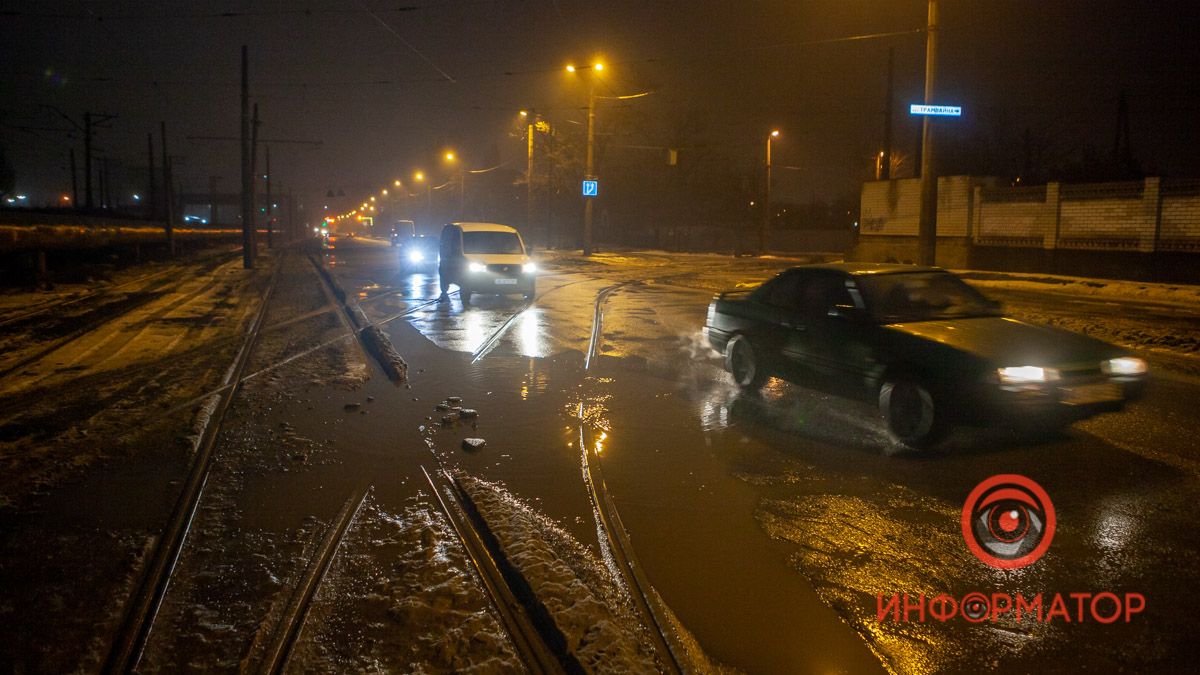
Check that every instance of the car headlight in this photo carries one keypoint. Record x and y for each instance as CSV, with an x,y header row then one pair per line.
x,y
528,268
1124,365
476,267
416,256
1026,374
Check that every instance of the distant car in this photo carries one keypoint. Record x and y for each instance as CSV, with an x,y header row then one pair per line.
x,y
484,258
418,253
401,230
929,349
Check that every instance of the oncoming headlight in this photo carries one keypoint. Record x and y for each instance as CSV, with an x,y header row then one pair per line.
x,y
476,267
528,268
416,256
1124,365
1026,374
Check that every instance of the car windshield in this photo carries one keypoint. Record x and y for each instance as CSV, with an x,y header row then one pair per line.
x,y
921,296
492,242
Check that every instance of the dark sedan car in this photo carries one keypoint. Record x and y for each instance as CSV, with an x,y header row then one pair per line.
x,y
928,348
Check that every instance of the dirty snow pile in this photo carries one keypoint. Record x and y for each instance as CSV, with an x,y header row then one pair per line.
x,y
400,598
590,609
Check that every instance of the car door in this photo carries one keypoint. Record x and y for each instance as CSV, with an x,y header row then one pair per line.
x,y
834,345
782,322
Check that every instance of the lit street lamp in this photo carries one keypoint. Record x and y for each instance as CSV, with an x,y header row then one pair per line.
x,y
589,171
766,219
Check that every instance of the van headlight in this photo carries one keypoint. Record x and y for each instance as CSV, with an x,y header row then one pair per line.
x,y
1026,374
416,256
528,268
476,267
1124,365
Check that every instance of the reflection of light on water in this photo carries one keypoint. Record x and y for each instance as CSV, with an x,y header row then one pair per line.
x,y
473,325
1114,530
416,282
529,332
715,406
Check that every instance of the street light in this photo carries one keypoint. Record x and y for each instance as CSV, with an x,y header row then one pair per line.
x,y
766,220
589,171
419,177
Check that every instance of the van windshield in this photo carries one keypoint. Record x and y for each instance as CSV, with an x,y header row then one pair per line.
x,y
492,242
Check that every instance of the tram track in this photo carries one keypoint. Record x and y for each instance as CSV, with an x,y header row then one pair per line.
x,y
142,608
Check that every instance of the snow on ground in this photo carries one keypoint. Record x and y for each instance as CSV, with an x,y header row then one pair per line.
x,y
1183,295
588,606
402,598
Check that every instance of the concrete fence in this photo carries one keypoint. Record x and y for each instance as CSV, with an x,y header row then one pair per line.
x,y
1147,224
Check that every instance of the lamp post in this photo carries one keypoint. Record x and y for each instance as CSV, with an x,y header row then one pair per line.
x,y
421,178
766,219
589,171
529,116
927,220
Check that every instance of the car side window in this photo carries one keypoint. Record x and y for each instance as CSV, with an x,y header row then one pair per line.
x,y
783,291
822,293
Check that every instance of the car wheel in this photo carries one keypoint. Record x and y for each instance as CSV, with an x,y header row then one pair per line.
x,y
743,363
465,295
911,413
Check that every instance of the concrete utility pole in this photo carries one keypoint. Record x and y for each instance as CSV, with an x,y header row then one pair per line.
x,y
529,117
270,217
885,160
87,161
927,221
590,170
151,197
247,171
212,200
168,192
74,182
254,183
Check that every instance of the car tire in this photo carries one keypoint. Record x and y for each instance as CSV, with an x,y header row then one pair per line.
x,y
742,361
465,295
911,413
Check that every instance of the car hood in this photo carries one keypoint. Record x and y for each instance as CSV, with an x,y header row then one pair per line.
x,y
1008,342
497,258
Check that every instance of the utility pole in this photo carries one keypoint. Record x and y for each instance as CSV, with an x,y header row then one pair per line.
x,y
104,204
74,183
530,117
270,217
927,221
291,217
87,160
212,200
247,172
885,160
765,226
168,192
254,184
590,170
151,197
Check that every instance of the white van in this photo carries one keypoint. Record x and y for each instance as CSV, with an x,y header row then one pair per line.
x,y
484,258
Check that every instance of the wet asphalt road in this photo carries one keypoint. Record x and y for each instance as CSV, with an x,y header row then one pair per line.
x,y
770,523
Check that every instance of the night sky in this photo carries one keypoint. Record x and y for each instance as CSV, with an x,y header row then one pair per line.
x,y
386,85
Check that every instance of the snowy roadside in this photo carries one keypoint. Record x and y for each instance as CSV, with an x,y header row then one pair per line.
x,y
1160,320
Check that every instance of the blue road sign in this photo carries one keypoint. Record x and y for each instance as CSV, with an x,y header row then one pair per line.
x,y
591,188
937,110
